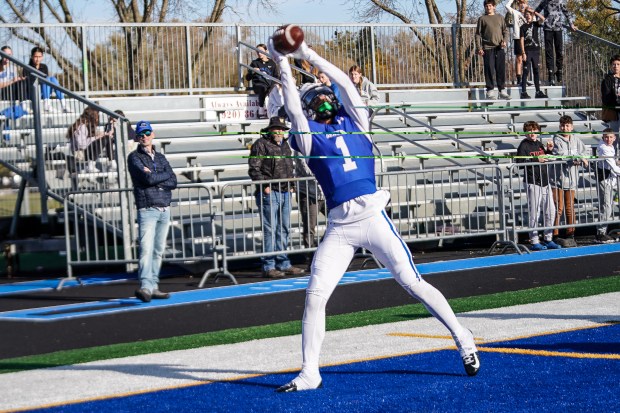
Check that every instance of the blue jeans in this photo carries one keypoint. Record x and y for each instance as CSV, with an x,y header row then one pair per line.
x,y
276,212
46,90
153,227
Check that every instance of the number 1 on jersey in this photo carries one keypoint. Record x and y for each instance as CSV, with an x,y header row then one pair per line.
x,y
349,164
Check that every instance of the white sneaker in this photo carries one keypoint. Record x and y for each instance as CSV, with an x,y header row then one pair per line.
x,y
491,95
503,95
112,167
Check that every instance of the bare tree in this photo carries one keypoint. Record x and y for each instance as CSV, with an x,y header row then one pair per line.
x,y
427,11
136,42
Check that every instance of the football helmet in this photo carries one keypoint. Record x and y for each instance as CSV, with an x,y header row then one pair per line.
x,y
318,101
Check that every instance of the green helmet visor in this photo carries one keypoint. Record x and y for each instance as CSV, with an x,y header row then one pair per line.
x,y
324,107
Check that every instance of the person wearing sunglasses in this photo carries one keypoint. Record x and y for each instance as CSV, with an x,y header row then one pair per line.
x,y
333,135
270,159
153,181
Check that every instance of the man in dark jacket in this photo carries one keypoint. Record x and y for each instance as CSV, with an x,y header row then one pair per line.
x,y
271,158
153,181
610,94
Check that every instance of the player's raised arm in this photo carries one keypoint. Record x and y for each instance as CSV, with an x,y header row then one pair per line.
x,y
292,103
349,96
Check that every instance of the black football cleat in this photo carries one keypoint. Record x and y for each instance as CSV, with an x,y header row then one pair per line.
x,y
292,386
471,362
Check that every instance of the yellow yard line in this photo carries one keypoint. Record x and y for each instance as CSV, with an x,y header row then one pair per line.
x,y
546,353
484,349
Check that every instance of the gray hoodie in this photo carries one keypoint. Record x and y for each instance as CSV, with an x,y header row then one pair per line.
x,y
565,176
369,92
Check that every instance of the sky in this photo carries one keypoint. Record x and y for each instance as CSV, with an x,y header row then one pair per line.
x,y
303,11
289,11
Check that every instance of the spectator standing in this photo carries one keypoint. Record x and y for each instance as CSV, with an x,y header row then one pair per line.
x,y
610,93
311,201
555,12
324,79
537,186
332,134
572,152
607,175
36,61
366,89
260,66
271,158
517,9
530,44
491,40
87,142
153,181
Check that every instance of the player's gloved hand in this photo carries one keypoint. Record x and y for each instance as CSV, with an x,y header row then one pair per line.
x,y
275,55
302,52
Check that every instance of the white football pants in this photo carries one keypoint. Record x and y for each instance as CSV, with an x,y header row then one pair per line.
x,y
378,235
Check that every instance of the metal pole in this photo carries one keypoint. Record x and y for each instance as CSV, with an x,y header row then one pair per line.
x,y
18,206
125,197
85,62
239,68
455,62
190,69
35,99
373,54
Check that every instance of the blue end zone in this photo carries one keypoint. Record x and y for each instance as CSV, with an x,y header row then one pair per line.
x,y
287,285
433,381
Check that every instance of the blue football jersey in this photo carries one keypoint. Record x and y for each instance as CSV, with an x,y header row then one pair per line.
x,y
341,160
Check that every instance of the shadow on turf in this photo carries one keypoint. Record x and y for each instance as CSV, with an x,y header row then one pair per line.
x,y
178,372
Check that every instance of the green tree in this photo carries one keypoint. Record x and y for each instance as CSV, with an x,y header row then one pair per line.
x,y
598,17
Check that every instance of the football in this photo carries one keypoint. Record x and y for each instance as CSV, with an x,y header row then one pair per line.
x,y
287,38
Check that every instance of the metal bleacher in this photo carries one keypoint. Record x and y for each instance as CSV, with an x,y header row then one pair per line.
x,y
416,139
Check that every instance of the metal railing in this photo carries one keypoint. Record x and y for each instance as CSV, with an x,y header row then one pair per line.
x,y
587,208
36,144
186,58
213,230
425,205
101,227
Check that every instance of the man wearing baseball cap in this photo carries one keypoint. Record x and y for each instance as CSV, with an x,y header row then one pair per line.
x,y
271,158
153,181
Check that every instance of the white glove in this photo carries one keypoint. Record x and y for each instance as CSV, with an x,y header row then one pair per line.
x,y
275,55
302,52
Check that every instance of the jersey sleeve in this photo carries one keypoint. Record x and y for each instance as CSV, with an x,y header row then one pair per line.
x,y
350,97
300,137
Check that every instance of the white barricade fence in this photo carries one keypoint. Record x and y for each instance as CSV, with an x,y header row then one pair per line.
x,y
425,205
586,190
124,59
101,228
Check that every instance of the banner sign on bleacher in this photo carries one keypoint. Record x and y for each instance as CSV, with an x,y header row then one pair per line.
x,y
222,108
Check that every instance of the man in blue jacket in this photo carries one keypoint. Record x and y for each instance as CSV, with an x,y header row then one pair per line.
x,y
153,182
